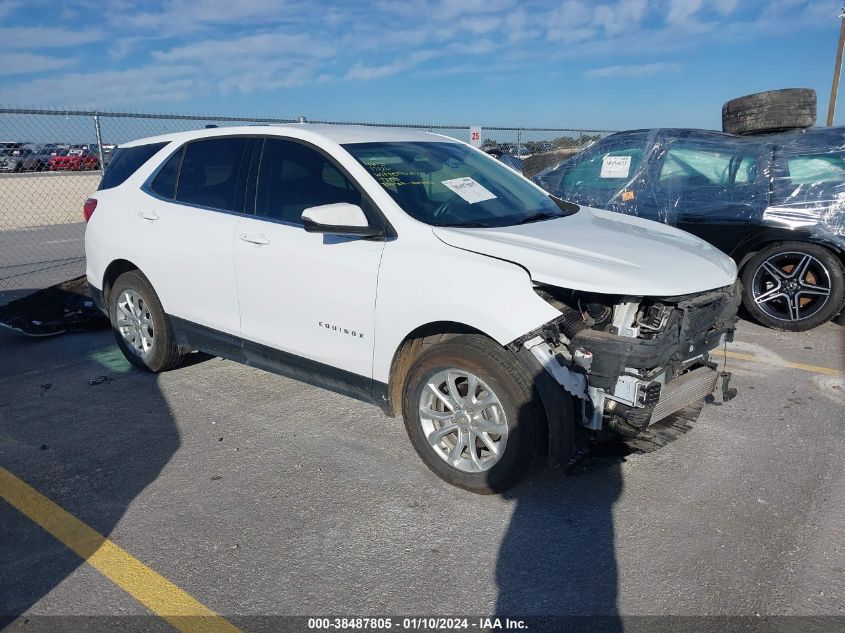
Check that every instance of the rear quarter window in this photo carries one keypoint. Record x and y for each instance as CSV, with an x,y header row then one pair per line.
x,y
808,169
126,162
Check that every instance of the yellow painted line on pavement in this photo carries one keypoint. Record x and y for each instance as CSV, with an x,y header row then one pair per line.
x,y
152,590
828,371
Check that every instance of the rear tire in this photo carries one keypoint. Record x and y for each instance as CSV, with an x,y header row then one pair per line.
x,y
772,111
141,327
493,415
793,286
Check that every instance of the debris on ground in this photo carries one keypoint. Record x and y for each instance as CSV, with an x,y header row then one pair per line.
x,y
97,380
65,307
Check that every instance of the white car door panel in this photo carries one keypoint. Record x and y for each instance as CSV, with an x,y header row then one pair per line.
x,y
186,252
308,294
311,295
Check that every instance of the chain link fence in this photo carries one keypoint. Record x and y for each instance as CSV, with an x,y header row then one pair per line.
x,y
52,160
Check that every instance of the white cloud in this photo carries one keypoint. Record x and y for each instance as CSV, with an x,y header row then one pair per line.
x,y
148,84
181,16
634,70
725,7
680,11
261,46
363,72
26,63
209,47
626,14
22,37
576,21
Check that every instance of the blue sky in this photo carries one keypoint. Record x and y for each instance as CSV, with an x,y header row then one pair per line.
x,y
613,64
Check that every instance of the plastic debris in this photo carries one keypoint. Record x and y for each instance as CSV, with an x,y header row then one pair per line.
x,y
65,307
98,380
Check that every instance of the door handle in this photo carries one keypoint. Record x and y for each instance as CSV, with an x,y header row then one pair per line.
x,y
148,215
252,238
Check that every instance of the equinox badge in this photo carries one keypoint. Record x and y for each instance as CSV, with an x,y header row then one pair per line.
x,y
341,330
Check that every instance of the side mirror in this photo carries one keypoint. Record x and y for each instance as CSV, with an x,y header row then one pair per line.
x,y
340,218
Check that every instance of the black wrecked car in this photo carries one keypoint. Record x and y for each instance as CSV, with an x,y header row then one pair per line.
x,y
775,203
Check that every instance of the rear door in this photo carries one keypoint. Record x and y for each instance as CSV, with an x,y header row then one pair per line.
x,y
305,298
185,226
713,188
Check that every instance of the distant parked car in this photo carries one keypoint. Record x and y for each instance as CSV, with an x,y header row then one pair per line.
x,y
13,159
75,160
40,160
508,159
774,203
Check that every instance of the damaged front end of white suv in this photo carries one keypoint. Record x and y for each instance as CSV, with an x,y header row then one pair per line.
x,y
636,366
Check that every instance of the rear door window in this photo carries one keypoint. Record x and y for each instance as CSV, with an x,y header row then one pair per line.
x,y
125,162
809,169
808,178
213,173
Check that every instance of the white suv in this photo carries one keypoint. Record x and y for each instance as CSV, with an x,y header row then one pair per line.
x,y
413,271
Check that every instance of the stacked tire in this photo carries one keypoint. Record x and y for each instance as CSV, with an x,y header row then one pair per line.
x,y
771,111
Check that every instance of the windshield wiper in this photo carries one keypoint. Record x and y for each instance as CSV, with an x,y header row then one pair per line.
x,y
539,217
468,225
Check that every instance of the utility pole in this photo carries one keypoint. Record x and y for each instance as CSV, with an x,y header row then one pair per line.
x,y
836,70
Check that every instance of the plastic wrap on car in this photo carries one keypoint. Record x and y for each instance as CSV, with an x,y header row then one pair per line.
x,y
511,161
792,180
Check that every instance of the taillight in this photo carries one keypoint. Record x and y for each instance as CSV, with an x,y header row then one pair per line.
x,y
88,208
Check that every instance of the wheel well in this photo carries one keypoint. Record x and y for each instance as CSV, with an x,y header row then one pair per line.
x,y
746,255
423,338
409,350
115,270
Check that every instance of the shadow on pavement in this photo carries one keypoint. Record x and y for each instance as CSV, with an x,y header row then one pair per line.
x,y
89,448
556,565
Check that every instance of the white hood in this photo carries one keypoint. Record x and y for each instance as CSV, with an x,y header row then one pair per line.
x,y
604,252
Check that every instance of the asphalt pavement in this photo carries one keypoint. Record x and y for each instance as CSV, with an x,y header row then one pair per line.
x,y
259,495
41,256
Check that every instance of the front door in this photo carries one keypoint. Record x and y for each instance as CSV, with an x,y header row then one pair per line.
x,y
307,300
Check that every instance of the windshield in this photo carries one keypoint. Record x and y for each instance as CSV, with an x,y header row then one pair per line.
x,y
450,184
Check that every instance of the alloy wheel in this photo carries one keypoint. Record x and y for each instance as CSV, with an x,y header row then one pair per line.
x,y
463,420
135,322
791,286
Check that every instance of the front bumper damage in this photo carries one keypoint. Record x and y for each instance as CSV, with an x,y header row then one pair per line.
x,y
633,375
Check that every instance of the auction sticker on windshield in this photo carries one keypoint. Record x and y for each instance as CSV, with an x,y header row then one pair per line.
x,y
615,167
469,189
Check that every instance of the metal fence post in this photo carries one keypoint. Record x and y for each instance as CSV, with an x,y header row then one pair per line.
x,y
99,142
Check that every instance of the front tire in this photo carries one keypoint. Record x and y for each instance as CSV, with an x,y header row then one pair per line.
x,y
141,327
471,414
793,286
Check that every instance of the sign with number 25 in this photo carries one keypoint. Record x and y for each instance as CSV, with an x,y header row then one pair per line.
x,y
475,136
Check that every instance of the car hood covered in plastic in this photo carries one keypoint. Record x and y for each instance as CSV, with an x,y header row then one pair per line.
x,y
604,252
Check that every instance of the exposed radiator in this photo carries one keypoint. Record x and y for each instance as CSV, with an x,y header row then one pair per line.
x,y
684,391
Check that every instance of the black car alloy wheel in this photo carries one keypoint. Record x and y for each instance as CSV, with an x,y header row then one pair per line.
x,y
791,286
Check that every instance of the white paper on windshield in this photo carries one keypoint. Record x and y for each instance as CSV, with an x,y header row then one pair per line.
x,y
469,189
615,167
